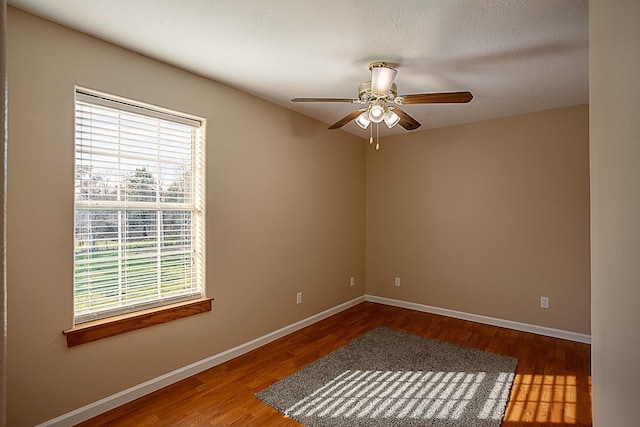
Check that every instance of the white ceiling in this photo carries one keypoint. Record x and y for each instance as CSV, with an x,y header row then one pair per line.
x,y
515,56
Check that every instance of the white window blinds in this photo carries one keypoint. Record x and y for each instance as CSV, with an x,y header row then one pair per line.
x,y
139,207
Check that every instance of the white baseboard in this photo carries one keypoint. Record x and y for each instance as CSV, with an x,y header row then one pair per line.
x,y
525,327
110,402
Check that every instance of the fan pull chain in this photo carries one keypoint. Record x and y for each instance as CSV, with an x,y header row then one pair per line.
x,y
371,137
377,137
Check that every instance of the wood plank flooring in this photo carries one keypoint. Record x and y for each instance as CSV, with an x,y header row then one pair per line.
x,y
552,385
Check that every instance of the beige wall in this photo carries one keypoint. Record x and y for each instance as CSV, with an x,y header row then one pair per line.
x,y
485,218
489,218
3,169
285,213
614,70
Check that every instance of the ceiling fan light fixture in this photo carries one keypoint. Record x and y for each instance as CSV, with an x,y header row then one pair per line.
x,y
363,121
380,100
376,113
382,78
391,118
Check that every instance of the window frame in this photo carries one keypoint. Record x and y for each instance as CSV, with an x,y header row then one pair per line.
x,y
136,315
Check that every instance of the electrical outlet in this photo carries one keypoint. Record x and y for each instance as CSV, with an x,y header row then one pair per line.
x,y
544,302
397,282
352,281
299,298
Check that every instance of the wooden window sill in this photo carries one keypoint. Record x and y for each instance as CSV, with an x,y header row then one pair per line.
x,y
103,328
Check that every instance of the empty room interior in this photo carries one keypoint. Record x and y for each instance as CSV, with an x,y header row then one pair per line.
x,y
506,206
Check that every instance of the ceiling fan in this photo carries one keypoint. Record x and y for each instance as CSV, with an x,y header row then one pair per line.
x,y
381,101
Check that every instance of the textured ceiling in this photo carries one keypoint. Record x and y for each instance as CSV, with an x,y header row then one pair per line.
x,y
515,56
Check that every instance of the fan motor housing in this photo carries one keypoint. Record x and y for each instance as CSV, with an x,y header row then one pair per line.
x,y
366,95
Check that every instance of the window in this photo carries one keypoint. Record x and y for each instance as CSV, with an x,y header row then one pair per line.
x,y
139,207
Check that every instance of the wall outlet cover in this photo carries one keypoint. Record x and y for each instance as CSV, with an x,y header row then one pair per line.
x,y
544,302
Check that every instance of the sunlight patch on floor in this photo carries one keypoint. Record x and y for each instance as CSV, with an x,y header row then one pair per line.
x,y
404,394
543,398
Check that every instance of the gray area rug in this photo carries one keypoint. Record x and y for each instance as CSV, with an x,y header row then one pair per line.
x,y
387,377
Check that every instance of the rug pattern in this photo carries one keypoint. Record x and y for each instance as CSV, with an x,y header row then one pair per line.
x,y
390,378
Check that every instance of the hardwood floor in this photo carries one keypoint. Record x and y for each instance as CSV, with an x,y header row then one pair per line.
x,y
552,385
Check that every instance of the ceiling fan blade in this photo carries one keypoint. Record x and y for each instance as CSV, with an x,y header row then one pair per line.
x,y
406,121
323,100
437,98
346,119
